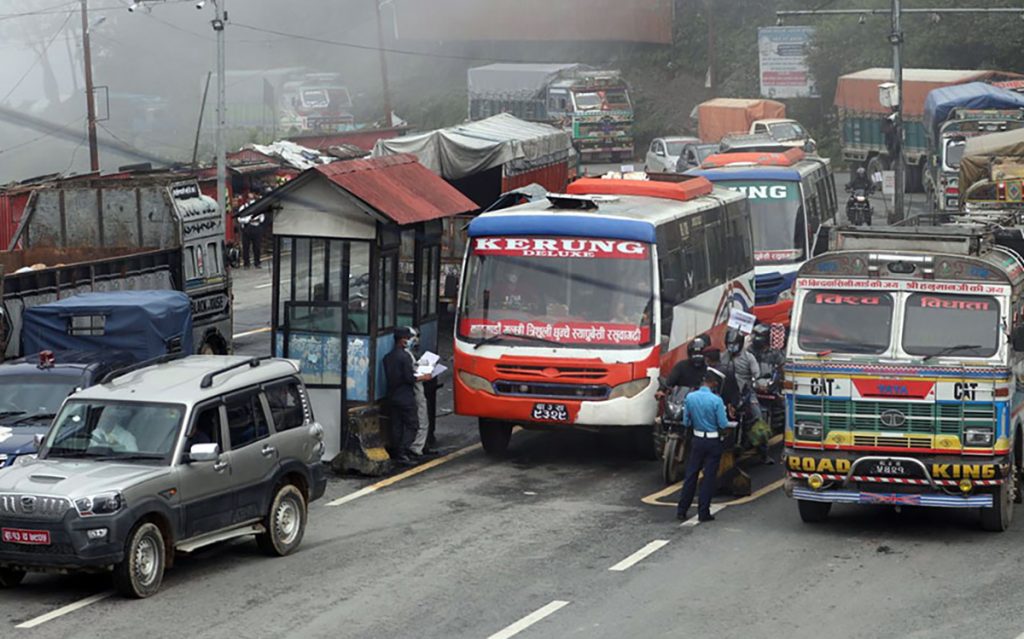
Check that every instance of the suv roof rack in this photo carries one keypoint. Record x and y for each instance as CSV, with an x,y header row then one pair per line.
x,y
252,362
124,370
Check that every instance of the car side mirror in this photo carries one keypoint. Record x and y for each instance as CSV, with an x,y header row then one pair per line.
x,y
204,452
1018,339
38,439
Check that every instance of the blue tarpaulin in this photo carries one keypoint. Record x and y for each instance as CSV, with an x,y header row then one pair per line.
x,y
973,95
144,323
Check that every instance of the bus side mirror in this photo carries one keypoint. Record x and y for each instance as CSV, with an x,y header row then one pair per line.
x,y
1017,339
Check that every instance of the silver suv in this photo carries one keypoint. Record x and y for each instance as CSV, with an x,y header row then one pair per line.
x,y
161,458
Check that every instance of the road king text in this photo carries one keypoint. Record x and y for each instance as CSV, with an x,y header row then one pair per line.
x,y
938,471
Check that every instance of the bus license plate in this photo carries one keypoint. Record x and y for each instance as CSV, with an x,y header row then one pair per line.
x,y
889,468
550,413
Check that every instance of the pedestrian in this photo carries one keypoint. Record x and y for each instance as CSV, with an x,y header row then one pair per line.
x,y
420,445
252,238
704,413
401,381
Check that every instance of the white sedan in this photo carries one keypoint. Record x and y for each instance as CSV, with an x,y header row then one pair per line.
x,y
663,154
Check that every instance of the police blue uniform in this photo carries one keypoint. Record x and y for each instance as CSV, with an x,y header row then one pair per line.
x,y
704,412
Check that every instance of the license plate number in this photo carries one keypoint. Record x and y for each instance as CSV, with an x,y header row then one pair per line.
x,y
550,413
27,537
889,468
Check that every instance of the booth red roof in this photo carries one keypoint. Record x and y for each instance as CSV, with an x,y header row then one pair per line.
x,y
398,187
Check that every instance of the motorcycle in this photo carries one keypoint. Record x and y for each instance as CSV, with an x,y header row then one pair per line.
x,y
676,447
768,388
858,208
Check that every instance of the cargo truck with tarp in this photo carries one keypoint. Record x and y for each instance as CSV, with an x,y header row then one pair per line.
x,y
592,105
992,172
721,117
953,115
865,131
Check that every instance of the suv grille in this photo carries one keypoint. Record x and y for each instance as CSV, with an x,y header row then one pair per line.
x,y
33,506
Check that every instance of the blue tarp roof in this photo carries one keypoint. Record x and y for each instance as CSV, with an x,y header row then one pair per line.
x,y
142,323
973,95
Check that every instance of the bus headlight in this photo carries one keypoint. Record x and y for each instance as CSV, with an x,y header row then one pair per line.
x,y
475,382
809,431
983,436
630,389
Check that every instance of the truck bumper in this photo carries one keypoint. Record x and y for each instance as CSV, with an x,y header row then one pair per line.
x,y
938,500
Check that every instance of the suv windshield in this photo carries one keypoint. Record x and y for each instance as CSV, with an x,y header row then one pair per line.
x,y
777,217
931,319
34,396
115,430
573,291
858,322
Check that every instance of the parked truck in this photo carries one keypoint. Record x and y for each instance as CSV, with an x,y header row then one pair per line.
x,y
591,104
153,233
954,114
865,128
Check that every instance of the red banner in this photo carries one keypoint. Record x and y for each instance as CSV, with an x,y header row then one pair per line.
x,y
596,333
560,247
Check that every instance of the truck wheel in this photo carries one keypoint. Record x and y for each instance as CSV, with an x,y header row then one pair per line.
x,y
140,573
813,512
10,578
495,437
285,522
1000,515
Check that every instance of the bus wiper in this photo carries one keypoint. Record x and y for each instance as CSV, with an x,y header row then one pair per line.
x,y
497,338
951,349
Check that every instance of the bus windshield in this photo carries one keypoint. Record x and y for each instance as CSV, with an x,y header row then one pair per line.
x,y
780,233
582,292
858,322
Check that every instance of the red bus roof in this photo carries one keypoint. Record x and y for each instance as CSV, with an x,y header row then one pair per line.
x,y
760,158
682,191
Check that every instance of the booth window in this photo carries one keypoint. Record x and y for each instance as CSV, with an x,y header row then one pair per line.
x,y
284,264
386,285
359,287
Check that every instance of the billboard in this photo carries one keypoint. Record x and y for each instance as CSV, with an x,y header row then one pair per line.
x,y
783,55
532,20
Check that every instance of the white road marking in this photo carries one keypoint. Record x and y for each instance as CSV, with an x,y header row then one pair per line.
x,y
529,620
257,331
60,612
267,285
695,520
639,555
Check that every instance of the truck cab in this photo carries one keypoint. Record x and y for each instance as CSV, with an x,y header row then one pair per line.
x,y
786,131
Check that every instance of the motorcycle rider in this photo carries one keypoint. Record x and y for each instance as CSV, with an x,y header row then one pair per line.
x,y
689,372
744,366
861,181
859,212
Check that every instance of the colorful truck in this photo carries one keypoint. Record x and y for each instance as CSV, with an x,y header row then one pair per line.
x,y
954,114
865,134
991,175
593,105
901,371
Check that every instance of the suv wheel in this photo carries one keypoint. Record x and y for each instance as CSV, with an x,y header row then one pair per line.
x,y
140,573
285,523
10,578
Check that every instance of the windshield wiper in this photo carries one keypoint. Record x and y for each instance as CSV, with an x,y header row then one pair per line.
x,y
10,413
951,349
72,454
32,417
530,338
132,457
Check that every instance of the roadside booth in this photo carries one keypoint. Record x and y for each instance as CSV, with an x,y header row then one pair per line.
x,y
356,253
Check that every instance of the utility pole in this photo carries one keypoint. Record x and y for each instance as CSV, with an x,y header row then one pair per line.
x,y
709,11
218,22
90,100
383,67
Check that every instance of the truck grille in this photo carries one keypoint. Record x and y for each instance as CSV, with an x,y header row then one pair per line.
x,y
925,419
33,506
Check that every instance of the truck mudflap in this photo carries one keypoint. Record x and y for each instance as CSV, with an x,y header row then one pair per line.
x,y
938,500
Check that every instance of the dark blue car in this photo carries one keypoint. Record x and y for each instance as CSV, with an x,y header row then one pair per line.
x,y
33,388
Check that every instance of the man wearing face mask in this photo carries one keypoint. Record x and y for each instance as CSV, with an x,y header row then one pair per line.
x,y
401,376
419,444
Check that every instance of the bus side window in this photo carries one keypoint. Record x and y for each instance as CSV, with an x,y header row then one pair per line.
x,y
714,236
697,262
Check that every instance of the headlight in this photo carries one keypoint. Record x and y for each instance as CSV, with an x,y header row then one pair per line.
x,y
475,382
630,389
808,431
23,459
104,504
979,436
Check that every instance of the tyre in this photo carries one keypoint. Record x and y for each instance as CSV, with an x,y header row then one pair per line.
x,y
10,578
999,517
812,512
141,572
285,522
673,461
495,437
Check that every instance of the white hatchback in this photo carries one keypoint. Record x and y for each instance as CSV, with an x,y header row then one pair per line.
x,y
663,154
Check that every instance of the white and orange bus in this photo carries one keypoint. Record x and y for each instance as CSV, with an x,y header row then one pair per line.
x,y
570,308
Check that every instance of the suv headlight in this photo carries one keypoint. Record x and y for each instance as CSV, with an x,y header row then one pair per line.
x,y
983,436
24,459
630,389
475,382
105,504
809,431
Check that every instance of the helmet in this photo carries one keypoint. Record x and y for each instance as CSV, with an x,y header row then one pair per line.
x,y
695,350
861,172
761,337
734,340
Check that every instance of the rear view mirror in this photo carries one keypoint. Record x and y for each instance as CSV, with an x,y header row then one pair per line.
x,y
204,452
1018,339
38,439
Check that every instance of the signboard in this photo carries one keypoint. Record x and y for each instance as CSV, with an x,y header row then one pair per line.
x,y
889,187
560,247
783,56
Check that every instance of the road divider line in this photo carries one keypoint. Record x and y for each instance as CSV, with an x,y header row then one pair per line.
x,y
267,285
60,612
639,555
265,329
695,520
529,620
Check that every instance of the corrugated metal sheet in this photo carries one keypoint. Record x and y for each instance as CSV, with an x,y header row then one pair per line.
x,y
398,187
553,177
